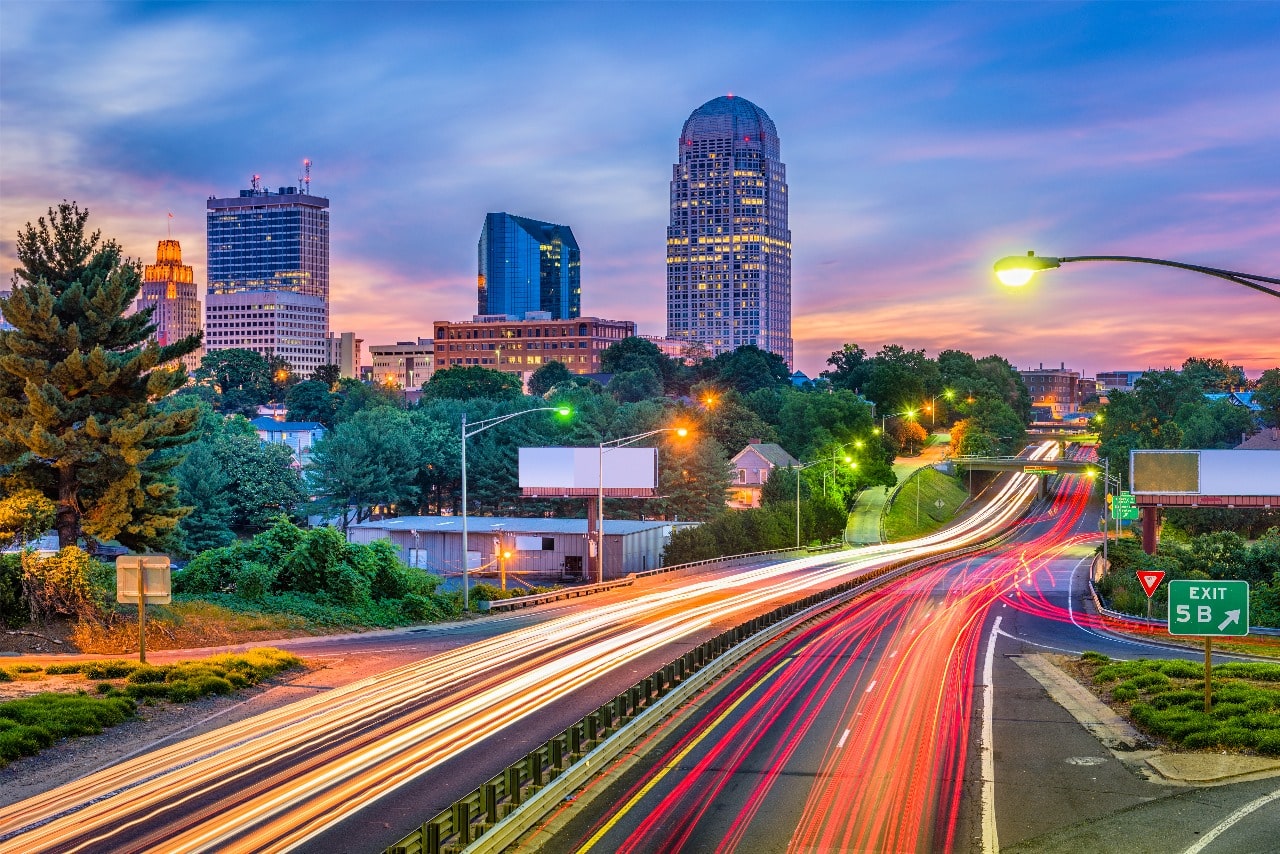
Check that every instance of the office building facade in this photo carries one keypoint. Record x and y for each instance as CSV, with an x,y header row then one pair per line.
x,y
169,290
527,265
728,244
1055,390
405,364
345,352
523,346
268,285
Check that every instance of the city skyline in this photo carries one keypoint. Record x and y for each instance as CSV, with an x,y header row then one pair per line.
x,y
923,142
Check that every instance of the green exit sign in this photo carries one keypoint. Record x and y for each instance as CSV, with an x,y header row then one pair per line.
x,y
1209,608
1039,470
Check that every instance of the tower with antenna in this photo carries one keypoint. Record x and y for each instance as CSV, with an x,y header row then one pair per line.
x,y
304,183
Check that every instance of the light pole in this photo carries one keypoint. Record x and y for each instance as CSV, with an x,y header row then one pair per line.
x,y
1106,491
933,408
480,427
606,447
802,467
1017,270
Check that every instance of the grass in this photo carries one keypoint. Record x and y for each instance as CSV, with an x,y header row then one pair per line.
x,y
1165,699
900,519
30,724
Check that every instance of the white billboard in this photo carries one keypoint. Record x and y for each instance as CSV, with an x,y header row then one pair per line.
x,y
1196,472
579,468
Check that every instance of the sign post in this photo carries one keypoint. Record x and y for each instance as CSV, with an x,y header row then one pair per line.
x,y
1209,608
1150,579
144,579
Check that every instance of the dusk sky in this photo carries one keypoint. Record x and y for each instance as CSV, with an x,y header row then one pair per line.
x,y
922,141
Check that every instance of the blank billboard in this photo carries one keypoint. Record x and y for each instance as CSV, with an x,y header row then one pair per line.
x,y
579,468
1194,472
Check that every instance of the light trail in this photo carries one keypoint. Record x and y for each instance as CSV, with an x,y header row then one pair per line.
x,y
274,781
891,771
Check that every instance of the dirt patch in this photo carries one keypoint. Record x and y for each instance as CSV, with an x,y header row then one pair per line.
x,y
53,636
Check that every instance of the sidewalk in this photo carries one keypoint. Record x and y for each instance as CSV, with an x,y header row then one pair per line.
x,y
864,519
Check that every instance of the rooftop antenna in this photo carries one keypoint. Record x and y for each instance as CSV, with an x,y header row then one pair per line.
x,y
306,181
169,226
253,182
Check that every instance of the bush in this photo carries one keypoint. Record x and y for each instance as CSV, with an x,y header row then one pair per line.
x,y
14,607
1268,742
32,723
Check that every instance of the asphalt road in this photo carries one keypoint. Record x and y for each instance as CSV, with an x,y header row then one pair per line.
x,y
869,729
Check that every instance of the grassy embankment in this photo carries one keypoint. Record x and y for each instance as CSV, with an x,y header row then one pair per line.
x,y
30,724
940,496
1165,699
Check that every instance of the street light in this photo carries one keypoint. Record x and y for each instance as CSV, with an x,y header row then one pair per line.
x,y
480,427
1107,480
802,467
606,447
933,410
1017,270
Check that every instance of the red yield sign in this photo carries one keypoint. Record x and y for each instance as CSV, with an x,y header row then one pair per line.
x,y
1150,579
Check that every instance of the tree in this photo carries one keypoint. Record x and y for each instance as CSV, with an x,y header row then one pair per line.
x,y
640,354
1268,396
78,381
849,368
746,369
356,396
365,462
466,383
329,375
25,516
693,475
635,386
1213,374
242,379
311,401
548,377
901,379
202,484
263,480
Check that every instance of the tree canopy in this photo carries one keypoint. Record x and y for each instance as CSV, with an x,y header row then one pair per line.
x,y
78,384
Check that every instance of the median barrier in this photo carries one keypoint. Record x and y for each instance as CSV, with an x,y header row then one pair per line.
x,y
491,817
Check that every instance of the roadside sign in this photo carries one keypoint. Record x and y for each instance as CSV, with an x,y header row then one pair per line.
x,y
1150,579
1124,507
156,586
1039,470
1209,608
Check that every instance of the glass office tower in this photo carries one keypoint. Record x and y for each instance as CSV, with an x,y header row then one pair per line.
x,y
527,265
268,287
728,245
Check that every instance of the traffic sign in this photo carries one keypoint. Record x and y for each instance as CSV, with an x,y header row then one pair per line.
x,y
1123,507
1209,608
155,585
1039,470
1150,579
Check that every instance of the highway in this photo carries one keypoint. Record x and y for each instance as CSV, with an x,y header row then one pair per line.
x,y
903,723
353,768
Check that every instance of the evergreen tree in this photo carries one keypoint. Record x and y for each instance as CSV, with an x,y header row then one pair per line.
x,y
78,386
203,484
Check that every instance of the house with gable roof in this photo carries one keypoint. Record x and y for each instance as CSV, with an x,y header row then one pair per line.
x,y
751,469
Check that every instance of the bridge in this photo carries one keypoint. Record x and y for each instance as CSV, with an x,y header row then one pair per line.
x,y
1022,464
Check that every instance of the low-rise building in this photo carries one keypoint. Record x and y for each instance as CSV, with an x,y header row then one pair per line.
x,y
407,364
521,346
751,469
1117,380
540,549
1055,389
299,436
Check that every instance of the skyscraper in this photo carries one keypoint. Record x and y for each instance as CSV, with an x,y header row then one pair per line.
x,y
169,289
728,245
269,275
527,265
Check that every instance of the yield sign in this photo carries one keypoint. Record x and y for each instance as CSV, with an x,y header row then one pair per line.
x,y
1150,579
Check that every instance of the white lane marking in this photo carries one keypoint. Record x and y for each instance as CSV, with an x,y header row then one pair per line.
x,y
1049,646
990,843
871,686
1225,825
843,739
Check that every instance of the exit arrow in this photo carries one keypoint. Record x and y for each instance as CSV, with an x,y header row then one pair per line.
x,y
1232,617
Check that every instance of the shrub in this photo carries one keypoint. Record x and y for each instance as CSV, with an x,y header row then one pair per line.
x,y
1268,742
254,580
14,607
5,675
60,584
1124,693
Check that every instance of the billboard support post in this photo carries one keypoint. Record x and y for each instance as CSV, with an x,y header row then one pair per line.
x,y
604,448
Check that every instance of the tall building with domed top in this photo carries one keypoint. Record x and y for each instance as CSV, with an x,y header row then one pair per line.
x,y
728,245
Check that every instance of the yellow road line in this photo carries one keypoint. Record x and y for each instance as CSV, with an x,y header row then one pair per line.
x,y
636,798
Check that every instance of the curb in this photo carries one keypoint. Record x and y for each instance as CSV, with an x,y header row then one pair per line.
x,y
1135,750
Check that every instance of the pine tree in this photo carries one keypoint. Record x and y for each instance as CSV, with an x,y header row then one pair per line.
x,y
203,485
78,386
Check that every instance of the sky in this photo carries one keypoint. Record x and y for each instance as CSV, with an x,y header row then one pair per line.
x,y
922,142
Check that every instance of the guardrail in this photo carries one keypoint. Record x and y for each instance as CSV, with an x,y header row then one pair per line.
x,y
516,602
486,820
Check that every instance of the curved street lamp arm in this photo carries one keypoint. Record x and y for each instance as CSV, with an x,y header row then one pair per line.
x,y
1249,280
627,440
481,426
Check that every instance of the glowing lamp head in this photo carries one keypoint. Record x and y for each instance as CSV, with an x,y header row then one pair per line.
x,y
564,412
682,432
1017,270
858,443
